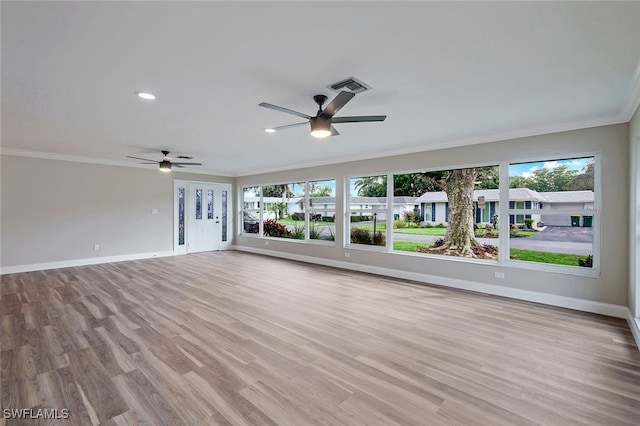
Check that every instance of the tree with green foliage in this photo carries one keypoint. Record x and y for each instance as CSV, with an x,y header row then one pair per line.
x,y
413,184
320,191
488,178
555,179
371,186
583,181
279,209
277,191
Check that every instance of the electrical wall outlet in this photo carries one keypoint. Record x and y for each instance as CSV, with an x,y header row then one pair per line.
x,y
96,247
498,274
347,255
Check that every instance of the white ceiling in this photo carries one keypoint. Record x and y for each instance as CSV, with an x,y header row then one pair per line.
x,y
445,74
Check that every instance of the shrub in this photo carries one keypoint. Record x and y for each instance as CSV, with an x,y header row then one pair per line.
x,y
314,234
329,218
360,218
440,225
379,239
587,262
411,217
275,229
298,216
297,232
528,223
489,228
399,224
428,225
513,226
361,236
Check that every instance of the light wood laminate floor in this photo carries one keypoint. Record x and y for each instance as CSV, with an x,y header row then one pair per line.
x,y
235,338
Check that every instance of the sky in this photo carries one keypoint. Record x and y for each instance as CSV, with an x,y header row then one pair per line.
x,y
527,169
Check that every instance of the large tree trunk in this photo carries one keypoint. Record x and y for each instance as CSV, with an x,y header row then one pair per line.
x,y
460,237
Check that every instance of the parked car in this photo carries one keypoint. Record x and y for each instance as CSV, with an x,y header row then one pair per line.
x,y
251,224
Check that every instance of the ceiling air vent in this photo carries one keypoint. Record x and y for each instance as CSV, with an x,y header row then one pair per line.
x,y
350,84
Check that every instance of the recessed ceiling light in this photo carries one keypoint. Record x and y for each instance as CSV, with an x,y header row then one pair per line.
x,y
146,96
270,130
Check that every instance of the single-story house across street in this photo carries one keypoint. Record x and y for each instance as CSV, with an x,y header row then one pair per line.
x,y
434,206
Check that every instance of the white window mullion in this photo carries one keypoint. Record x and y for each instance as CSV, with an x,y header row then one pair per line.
x,y
390,207
307,211
503,214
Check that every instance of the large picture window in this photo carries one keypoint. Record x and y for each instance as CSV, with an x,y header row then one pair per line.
x,y
251,210
552,211
367,220
544,216
447,212
322,210
283,212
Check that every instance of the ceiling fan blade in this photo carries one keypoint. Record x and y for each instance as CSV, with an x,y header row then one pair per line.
x,y
358,119
155,162
184,157
334,132
144,159
286,126
337,103
186,164
287,110
177,165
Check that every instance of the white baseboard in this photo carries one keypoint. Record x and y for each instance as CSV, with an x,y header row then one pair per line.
x,y
634,325
81,262
601,308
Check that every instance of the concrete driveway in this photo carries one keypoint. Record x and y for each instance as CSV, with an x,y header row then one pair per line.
x,y
564,233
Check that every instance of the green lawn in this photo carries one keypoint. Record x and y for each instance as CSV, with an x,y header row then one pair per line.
x,y
546,257
288,221
408,245
413,231
421,231
516,254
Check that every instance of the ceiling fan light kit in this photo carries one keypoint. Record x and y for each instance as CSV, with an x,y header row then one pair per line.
x,y
165,166
320,127
322,123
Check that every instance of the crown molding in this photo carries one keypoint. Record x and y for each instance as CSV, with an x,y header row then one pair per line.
x,y
93,160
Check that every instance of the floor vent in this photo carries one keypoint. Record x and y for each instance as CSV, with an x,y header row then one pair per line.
x,y
350,84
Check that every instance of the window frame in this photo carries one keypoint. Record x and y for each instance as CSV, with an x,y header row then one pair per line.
x,y
347,244
257,210
503,210
596,214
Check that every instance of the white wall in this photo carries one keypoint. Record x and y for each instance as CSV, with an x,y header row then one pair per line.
x,y
56,211
634,216
610,142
